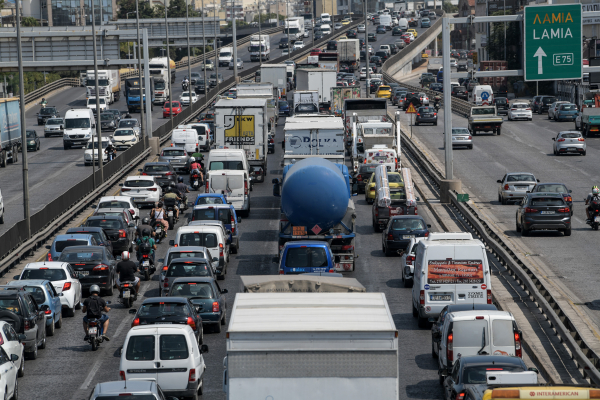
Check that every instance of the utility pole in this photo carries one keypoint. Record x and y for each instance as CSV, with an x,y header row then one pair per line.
x,y
216,45
187,29
26,214
287,25
259,35
142,120
368,79
447,97
234,23
169,69
204,52
98,123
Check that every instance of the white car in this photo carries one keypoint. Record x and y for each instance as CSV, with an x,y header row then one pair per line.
x,y
407,262
124,138
453,62
1,208
361,28
363,73
337,26
410,36
91,151
91,104
143,189
306,33
63,278
424,99
10,371
298,45
120,202
520,111
184,99
285,52
12,345
394,21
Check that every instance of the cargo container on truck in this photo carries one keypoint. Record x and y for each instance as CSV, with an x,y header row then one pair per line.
x,y
339,95
434,64
109,85
160,69
132,94
499,84
260,47
349,53
294,26
262,90
243,124
319,79
161,91
306,102
275,74
298,346
365,110
324,283
329,61
314,135
10,131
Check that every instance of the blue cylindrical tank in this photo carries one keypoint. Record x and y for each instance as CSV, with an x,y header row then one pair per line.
x,y
314,192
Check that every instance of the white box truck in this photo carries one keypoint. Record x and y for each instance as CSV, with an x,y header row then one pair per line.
x,y
349,53
225,56
319,79
314,135
295,26
109,85
260,47
275,74
306,102
159,68
243,124
262,90
298,346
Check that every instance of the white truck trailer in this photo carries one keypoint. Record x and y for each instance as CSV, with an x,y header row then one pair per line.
x,y
349,53
275,74
260,47
319,79
306,102
243,124
262,90
298,346
314,135
159,68
109,85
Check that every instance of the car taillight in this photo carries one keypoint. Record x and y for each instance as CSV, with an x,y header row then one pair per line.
x,y
359,178
581,139
518,350
66,286
528,109
435,114
192,376
422,297
460,396
143,173
347,247
410,259
568,198
450,349
206,189
280,272
564,210
489,296
561,140
27,325
220,249
135,322
122,233
125,190
246,188
390,236
215,306
271,140
506,187
232,225
122,375
530,210
152,189
169,174
49,257
100,267
132,212
419,114
166,282
191,323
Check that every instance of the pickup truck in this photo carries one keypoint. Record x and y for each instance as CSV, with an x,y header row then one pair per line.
x,y
589,121
485,119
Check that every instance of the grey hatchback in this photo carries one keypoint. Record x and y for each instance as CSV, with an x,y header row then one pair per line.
x,y
543,211
185,268
177,156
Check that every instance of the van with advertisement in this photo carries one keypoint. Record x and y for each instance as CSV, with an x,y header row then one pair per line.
x,y
482,95
380,154
450,268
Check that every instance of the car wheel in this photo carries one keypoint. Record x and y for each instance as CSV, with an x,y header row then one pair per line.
x,y
415,311
33,354
518,226
567,232
224,319
524,231
583,153
549,116
43,344
433,353
503,201
70,312
50,329
110,291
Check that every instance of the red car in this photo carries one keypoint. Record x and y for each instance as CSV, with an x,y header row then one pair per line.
x,y
315,52
174,110
406,39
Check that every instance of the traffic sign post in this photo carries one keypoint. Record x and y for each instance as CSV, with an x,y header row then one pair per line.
x,y
552,41
411,110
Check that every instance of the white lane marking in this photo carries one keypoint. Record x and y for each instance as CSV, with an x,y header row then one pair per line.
x,y
91,375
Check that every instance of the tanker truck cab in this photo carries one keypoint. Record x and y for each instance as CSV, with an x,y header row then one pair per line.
x,y
450,268
235,185
306,256
381,154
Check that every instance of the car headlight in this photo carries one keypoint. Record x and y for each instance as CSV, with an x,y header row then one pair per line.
x,y
65,136
31,142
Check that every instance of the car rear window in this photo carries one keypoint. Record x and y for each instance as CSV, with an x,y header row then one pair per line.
x,y
470,333
173,153
173,347
570,135
548,100
11,304
156,168
551,189
547,201
139,183
520,178
193,290
477,375
164,308
199,239
306,257
104,223
59,246
184,254
188,269
502,333
80,256
519,106
50,274
407,224
568,107
114,204
209,200
140,348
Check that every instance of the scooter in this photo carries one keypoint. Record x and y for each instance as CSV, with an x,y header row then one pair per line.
x,y
128,294
171,219
159,232
95,332
184,86
594,220
195,181
146,264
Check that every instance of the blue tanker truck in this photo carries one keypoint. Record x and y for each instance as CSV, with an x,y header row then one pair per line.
x,y
316,204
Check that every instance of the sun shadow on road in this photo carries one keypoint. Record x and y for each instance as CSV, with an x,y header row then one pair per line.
x,y
429,389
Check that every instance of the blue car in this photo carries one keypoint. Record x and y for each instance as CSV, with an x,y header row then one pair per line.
x,y
566,112
306,256
61,242
44,294
224,213
284,108
98,234
210,198
400,229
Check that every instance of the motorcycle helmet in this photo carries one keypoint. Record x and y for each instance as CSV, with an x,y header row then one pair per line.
x,y
145,221
171,187
180,179
146,232
125,256
95,289
595,190
192,160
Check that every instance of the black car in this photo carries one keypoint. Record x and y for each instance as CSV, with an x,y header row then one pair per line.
x,y
436,87
47,113
472,370
541,104
115,112
384,55
117,230
318,35
397,31
19,308
461,92
200,87
371,37
271,144
344,67
98,234
400,227
426,115
283,42
411,97
332,45
94,265
395,49
33,141
352,34
502,105
543,211
162,170
376,60
361,42
364,174
555,188
108,121
169,310
397,95
363,55
207,298
374,85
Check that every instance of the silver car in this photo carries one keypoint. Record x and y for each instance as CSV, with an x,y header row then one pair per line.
x,y
54,126
461,137
240,64
130,123
130,389
181,252
554,108
177,156
569,142
515,185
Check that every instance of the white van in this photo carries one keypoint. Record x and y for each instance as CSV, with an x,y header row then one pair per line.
x,y
403,24
166,354
381,154
325,18
204,134
225,56
79,127
450,268
211,237
231,159
476,332
483,95
386,21
235,185
186,138
91,104
326,29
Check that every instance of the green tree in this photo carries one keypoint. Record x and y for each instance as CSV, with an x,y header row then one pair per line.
x,y
496,43
128,6
176,9
449,7
29,21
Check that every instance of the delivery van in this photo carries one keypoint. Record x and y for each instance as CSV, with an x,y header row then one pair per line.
x,y
204,134
233,184
380,154
483,95
450,268
186,138
403,24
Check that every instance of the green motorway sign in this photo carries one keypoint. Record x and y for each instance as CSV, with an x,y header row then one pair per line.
x,y
553,47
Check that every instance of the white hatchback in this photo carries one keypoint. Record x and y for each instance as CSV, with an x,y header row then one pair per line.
x,y
185,98
11,344
63,278
91,151
124,138
123,201
298,45
10,370
363,73
143,189
520,111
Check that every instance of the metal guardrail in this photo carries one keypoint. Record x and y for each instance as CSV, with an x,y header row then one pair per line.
x,y
50,87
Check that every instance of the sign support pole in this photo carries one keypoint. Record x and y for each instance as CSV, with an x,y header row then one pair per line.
x,y
447,98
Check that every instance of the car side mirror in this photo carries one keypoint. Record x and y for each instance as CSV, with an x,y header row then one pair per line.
x,y
132,311
14,357
239,219
21,337
533,369
45,307
553,139
16,277
48,247
171,243
204,349
570,191
499,181
538,180
140,170
131,225
215,259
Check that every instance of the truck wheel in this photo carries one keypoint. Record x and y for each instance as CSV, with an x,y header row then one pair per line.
x,y
499,131
586,131
15,155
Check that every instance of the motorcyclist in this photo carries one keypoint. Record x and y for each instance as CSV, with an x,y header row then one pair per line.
x,y
197,155
44,102
182,188
146,238
592,197
111,151
185,83
145,225
172,195
158,215
93,307
195,166
126,270
436,101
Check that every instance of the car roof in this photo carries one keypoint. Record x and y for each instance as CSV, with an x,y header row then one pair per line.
x,y
68,236
491,360
158,162
476,313
124,198
174,147
181,249
203,206
140,177
46,264
313,243
408,217
130,386
550,183
86,229
95,217
194,279
83,248
519,173
468,307
545,194
169,299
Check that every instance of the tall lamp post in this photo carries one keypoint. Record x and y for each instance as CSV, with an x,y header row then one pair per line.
x,y
204,52
216,45
129,43
234,23
187,29
368,79
142,120
98,124
169,69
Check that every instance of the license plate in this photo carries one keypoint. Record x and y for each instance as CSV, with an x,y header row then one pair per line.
x,y
145,263
571,148
408,236
170,213
195,182
439,297
547,212
126,294
93,331
139,199
158,230
475,295
83,273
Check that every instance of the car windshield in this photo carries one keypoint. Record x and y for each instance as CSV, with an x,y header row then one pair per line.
x,y
114,204
60,245
175,103
94,144
283,104
127,123
47,111
551,188
477,375
192,290
104,223
520,178
547,201
54,121
31,134
407,224
77,123
188,269
160,86
138,183
50,274
183,254
80,256
460,131
570,135
93,101
568,107
173,153
306,257
124,132
106,117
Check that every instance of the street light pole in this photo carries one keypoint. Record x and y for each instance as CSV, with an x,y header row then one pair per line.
x,y
287,24
129,43
169,69
234,23
259,35
217,28
26,214
187,29
98,123
204,52
142,120
368,79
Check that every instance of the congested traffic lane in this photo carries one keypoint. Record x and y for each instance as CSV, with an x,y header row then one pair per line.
x,y
52,170
526,146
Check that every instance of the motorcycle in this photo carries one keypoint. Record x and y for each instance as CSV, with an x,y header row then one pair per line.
x,y
594,220
127,293
146,265
159,232
436,105
184,86
110,155
195,181
170,206
95,332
